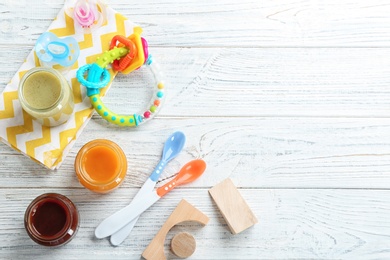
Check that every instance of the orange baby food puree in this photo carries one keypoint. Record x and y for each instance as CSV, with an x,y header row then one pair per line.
x,y
101,164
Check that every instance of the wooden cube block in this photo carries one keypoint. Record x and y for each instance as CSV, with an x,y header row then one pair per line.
x,y
233,207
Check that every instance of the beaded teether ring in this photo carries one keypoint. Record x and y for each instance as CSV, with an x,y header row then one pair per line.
x,y
130,54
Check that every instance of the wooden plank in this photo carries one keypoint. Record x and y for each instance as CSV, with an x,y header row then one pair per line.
x,y
225,22
326,224
254,152
269,82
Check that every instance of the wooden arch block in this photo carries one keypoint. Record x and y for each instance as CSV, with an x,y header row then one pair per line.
x,y
183,212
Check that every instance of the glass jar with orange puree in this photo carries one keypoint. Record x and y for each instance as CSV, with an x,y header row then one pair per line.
x,y
101,165
46,96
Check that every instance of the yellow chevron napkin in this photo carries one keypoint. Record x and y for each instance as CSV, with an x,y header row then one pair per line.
x,y
46,145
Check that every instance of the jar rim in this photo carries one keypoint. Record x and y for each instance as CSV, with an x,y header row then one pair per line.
x,y
30,73
111,183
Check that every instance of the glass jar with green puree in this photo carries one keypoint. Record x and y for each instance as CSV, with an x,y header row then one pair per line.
x,y
46,95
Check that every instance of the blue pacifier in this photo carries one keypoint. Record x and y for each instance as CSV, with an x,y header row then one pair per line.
x,y
52,50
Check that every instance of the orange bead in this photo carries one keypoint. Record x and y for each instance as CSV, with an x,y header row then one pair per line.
x,y
156,103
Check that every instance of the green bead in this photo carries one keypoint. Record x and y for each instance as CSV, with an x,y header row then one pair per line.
x,y
153,109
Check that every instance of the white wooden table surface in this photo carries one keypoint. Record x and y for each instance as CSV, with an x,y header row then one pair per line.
x,y
290,99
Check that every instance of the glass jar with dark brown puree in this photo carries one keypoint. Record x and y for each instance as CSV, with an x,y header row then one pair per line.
x,y
51,219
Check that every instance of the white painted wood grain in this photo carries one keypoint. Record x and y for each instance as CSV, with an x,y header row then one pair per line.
x,y
254,82
224,22
288,98
256,152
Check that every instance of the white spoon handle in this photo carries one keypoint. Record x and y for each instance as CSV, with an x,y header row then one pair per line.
x,y
119,219
118,237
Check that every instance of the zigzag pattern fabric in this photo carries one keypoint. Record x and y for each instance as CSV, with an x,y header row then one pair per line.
x,y
46,145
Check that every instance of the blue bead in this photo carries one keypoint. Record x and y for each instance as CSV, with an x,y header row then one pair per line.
x,y
122,120
99,107
160,94
105,113
149,60
113,118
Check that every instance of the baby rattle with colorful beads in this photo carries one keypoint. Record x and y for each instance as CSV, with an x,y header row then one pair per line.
x,y
130,54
